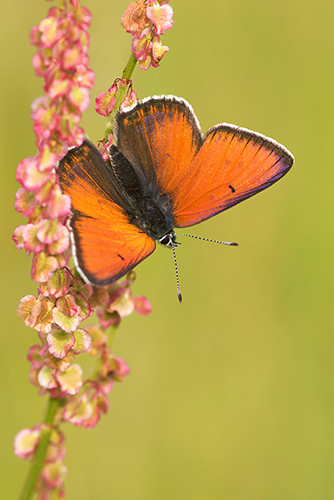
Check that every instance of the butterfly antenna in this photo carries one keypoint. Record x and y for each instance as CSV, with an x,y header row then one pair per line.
x,y
231,243
177,276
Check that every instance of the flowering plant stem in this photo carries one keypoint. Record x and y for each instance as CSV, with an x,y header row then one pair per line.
x,y
122,90
37,464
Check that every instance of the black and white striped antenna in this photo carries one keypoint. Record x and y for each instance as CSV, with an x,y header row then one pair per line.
x,y
177,275
230,243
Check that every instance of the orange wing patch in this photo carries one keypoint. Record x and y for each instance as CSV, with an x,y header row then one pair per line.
x,y
105,245
107,248
233,164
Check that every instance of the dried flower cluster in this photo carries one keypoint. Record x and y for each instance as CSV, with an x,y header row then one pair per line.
x,y
146,20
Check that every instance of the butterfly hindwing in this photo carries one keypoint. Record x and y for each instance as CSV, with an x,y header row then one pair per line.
x,y
105,244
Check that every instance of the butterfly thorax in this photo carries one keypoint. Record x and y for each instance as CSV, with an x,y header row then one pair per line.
x,y
154,216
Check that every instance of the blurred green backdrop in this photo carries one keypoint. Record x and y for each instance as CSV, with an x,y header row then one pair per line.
x,y
231,394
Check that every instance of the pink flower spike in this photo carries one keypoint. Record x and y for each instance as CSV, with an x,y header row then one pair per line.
x,y
25,443
160,15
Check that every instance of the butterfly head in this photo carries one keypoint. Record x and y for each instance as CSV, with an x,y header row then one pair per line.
x,y
169,240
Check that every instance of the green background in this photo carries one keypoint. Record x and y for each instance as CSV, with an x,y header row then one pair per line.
x,y
230,395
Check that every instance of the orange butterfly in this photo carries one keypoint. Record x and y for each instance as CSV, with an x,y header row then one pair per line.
x,y
162,174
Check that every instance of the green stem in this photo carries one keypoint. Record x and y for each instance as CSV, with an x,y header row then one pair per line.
x,y
120,95
37,464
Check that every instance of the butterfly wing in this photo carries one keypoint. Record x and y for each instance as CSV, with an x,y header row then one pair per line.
x,y
232,165
105,244
160,138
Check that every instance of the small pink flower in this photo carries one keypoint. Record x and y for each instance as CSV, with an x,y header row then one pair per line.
x,y
104,147
142,46
160,15
25,443
54,473
130,99
158,50
36,313
25,202
43,266
31,241
142,305
105,102
59,204
58,285
80,98
70,381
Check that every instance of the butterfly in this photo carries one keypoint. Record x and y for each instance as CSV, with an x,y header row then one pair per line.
x,y
162,174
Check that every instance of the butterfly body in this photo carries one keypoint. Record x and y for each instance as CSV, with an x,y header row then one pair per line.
x,y
146,207
162,174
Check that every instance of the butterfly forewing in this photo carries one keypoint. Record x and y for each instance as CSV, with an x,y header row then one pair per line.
x,y
232,165
105,244
160,138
